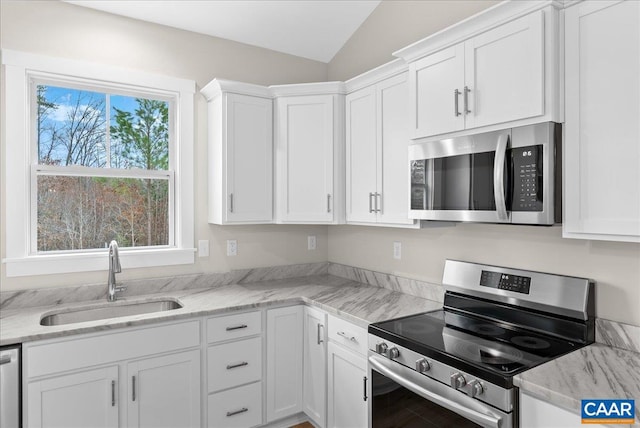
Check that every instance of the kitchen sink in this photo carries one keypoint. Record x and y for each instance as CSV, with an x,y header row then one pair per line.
x,y
107,311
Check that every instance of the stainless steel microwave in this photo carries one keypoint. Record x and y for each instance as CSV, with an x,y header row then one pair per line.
x,y
507,176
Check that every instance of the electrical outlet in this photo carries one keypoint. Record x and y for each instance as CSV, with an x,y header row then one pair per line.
x,y
203,248
311,242
232,247
397,250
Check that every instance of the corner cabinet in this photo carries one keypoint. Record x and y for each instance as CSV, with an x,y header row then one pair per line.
x,y
240,118
309,161
377,138
602,134
500,74
284,362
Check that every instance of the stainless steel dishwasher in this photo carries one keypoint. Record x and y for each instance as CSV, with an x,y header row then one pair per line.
x,y
10,387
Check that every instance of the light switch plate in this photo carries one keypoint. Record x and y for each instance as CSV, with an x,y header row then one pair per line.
x,y
232,247
203,248
311,242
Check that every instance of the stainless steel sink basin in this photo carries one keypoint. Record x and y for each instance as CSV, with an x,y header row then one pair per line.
x,y
111,310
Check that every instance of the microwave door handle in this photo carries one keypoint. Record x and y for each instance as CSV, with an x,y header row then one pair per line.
x,y
410,380
498,177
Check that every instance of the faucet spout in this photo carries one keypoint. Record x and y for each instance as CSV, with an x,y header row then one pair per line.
x,y
114,267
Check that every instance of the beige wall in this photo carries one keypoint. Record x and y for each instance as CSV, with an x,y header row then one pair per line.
x,y
62,30
615,266
395,24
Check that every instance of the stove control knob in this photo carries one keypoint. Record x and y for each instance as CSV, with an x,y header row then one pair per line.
x,y
422,365
394,353
475,388
381,348
457,381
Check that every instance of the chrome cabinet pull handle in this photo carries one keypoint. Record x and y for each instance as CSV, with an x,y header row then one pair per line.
x,y
466,100
236,327
456,111
378,198
5,359
235,366
328,203
351,338
370,202
320,340
231,202
113,393
133,388
364,396
237,412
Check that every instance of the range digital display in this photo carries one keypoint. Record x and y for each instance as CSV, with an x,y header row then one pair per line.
x,y
505,281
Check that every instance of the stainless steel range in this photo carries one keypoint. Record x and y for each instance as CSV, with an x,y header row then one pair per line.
x,y
454,367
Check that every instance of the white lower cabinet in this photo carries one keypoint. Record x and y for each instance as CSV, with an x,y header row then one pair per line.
x,y
347,388
76,400
314,394
140,377
537,413
236,408
284,362
164,391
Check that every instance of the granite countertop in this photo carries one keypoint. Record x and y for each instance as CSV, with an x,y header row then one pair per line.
x,y
596,371
353,301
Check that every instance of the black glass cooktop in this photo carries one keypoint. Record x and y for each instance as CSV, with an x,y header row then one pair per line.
x,y
481,346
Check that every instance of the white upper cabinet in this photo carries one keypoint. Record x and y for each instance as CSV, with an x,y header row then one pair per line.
x,y
602,130
377,137
505,71
309,156
240,153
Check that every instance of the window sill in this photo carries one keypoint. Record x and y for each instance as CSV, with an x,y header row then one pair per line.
x,y
71,263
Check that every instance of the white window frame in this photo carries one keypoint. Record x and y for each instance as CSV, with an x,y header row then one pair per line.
x,y
21,163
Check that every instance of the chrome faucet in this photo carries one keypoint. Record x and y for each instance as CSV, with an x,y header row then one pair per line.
x,y
114,268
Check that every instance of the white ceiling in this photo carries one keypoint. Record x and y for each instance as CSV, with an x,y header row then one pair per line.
x,y
314,29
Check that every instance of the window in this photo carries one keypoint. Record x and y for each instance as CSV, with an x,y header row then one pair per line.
x,y
103,154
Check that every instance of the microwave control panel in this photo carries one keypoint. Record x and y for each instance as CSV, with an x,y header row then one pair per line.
x,y
527,178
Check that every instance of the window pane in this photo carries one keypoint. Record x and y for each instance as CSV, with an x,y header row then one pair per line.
x,y
139,133
88,212
71,127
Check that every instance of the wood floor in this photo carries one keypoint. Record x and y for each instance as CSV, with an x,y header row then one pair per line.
x,y
303,425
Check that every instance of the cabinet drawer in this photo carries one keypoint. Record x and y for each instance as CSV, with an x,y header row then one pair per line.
x,y
53,357
238,407
348,335
232,364
234,326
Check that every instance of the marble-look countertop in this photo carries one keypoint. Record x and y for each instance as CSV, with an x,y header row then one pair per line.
x,y
596,371
353,301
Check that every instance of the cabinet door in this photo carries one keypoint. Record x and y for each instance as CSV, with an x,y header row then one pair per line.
x,y
347,396
536,413
315,365
433,81
304,148
361,145
164,391
504,72
284,362
602,144
249,196
393,163
84,399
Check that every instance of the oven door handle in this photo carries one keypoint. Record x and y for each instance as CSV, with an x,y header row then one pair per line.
x,y
498,177
410,379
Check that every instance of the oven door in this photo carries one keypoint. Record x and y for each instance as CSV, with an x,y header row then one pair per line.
x,y
401,397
